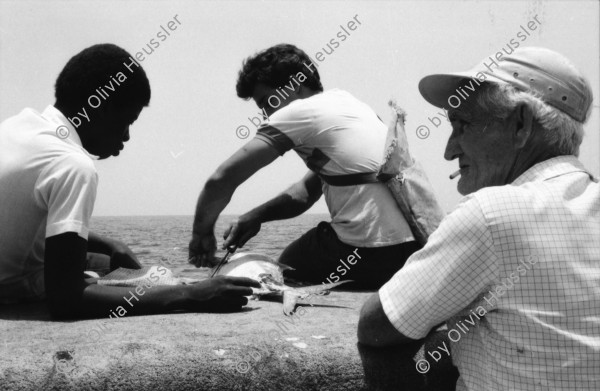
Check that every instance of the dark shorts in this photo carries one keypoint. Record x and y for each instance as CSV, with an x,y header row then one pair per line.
x,y
320,256
99,263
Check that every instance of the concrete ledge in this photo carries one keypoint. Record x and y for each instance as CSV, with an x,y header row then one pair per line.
x,y
247,350
256,349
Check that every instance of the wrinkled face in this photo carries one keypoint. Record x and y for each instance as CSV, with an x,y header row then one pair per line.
x,y
484,147
268,99
107,133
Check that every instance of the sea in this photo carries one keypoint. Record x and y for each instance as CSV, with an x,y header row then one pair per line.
x,y
163,240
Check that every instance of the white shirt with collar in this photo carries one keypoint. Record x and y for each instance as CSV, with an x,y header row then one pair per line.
x,y
48,187
515,272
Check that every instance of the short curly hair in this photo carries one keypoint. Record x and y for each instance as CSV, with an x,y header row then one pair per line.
x,y
273,67
561,134
95,67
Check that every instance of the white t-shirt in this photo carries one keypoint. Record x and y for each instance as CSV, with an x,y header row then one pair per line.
x,y
336,134
47,187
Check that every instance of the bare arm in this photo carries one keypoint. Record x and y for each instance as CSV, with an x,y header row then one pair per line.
x,y
296,200
218,191
70,295
374,327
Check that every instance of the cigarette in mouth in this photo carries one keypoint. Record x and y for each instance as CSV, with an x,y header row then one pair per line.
x,y
455,174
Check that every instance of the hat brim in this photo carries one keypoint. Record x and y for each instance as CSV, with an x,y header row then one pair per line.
x,y
437,88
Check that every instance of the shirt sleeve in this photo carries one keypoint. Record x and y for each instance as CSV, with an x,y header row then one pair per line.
x,y
287,127
454,268
67,189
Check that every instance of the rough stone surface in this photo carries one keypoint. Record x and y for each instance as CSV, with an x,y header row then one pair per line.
x,y
256,349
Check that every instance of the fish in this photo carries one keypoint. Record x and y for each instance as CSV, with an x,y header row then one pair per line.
x,y
269,273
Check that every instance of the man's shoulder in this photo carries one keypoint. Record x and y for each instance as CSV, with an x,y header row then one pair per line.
x,y
322,102
494,192
332,96
26,112
501,197
511,207
65,172
27,117
74,161
491,203
67,166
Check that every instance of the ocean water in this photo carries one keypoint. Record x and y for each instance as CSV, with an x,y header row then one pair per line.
x,y
163,240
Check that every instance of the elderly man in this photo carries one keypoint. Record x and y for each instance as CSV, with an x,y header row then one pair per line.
x,y
514,271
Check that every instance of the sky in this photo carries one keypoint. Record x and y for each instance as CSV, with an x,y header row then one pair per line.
x,y
195,120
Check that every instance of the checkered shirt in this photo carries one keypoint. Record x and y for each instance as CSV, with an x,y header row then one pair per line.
x,y
514,272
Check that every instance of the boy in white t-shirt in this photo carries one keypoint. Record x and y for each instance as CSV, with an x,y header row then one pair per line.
x,y
341,140
48,188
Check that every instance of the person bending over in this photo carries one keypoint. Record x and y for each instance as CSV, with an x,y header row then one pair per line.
x,y
48,188
341,140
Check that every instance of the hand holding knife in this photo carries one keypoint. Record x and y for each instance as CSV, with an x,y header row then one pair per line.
x,y
223,261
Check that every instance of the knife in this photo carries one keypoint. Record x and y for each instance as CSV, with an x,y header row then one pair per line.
x,y
223,261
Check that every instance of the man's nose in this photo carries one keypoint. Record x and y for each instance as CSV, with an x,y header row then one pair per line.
x,y
126,134
452,148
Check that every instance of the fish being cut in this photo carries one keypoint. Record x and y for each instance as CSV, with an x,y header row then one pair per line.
x,y
269,273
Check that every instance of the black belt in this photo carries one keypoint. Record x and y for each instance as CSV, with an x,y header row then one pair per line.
x,y
350,179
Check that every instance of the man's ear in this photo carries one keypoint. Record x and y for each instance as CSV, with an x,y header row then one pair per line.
x,y
523,124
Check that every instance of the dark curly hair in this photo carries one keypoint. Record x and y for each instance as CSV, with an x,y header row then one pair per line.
x,y
273,67
93,68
